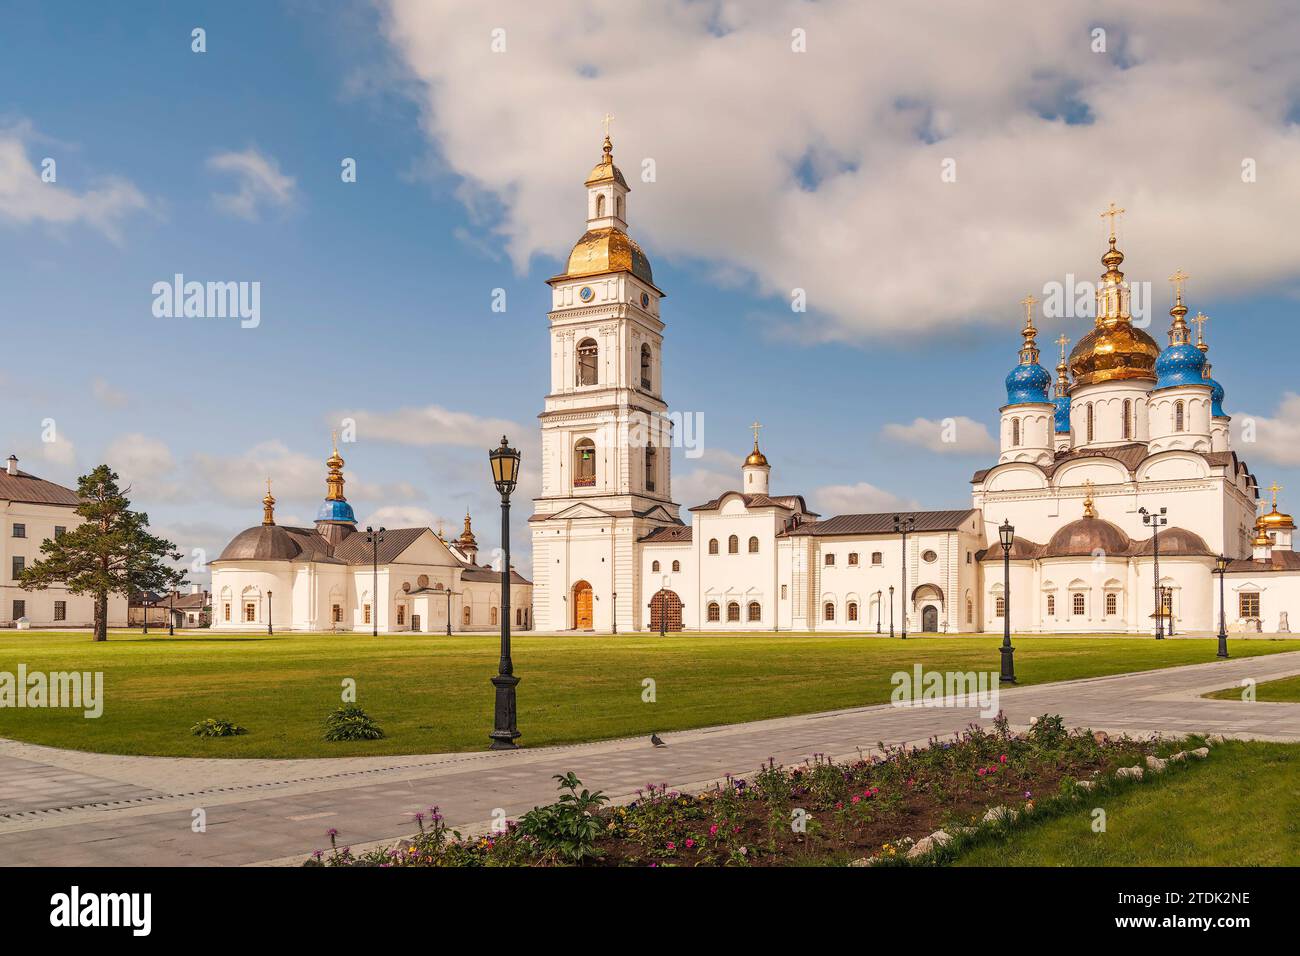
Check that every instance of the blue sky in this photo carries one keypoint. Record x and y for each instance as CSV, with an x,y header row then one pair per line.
x,y
376,294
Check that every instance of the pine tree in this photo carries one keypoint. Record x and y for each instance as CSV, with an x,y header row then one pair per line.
x,y
109,552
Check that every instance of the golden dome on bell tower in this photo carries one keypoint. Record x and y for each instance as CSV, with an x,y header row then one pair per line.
x,y
1114,349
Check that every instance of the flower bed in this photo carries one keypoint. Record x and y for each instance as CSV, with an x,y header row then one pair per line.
x,y
821,812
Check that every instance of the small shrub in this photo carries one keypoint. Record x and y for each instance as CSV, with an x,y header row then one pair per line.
x,y
217,727
567,829
350,722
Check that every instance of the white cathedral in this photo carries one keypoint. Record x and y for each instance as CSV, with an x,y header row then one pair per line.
x,y
1129,431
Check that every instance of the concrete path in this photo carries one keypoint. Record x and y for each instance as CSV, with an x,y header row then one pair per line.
x,y
60,807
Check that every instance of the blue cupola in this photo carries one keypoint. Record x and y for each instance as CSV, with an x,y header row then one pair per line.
x,y
1028,382
335,507
1061,399
1216,390
1182,363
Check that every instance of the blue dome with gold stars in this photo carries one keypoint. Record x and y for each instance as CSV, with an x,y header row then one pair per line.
x,y
1062,416
1216,397
1180,365
1027,383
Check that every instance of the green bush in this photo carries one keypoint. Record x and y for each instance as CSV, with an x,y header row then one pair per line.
x,y
566,830
217,727
350,722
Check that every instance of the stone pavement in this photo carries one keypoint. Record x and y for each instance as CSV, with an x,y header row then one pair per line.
x,y
68,808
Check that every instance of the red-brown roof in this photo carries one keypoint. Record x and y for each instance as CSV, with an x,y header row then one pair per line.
x,y
32,490
883,523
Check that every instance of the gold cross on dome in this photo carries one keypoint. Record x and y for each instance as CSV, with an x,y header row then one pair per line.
x,y
756,426
609,118
1112,212
1178,278
1062,342
1028,302
1275,488
1200,320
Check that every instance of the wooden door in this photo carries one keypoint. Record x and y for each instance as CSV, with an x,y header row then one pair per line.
x,y
582,606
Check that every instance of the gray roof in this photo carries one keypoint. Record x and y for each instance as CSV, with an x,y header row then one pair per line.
x,y
788,502
486,575
273,542
669,534
32,490
883,523
355,549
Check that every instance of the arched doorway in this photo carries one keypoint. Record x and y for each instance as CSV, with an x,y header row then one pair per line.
x,y
665,611
582,619
930,618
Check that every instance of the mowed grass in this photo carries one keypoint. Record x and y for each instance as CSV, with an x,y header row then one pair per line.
x,y
1275,691
1241,807
431,693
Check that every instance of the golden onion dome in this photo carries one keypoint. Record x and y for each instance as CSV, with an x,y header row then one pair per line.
x,y
1114,349
756,457
608,250
605,171
1275,521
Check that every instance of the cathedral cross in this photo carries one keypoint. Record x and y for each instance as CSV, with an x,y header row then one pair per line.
x,y
756,426
1112,212
609,118
1200,320
1275,488
1178,278
1028,302
1062,342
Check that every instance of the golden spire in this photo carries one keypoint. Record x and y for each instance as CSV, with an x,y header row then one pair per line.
x,y
1179,333
1088,510
1062,368
1112,292
1274,488
1113,212
335,478
1199,321
268,505
467,539
1029,351
756,457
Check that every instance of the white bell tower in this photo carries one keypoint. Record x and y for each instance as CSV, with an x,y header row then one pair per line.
x,y
606,436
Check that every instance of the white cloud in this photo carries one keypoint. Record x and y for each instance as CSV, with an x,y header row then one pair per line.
x,y
404,516
433,425
26,198
821,170
259,183
147,466
697,480
861,498
59,452
1277,439
957,435
107,394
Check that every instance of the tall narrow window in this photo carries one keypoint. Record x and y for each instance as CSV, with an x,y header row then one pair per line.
x,y
733,611
677,565
645,367
1128,415
1000,607
1089,411
650,460
713,546
1112,603
588,352
1015,433
600,206
1179,416
755,611
714,611
226,615
753,545
250,612
584,463
654,567
853,610
1078,604
1051,605
970,611
468,615
733,545
829,611
365,614
618,206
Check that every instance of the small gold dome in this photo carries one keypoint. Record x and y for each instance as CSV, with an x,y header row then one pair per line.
x,y
756,457
1275,521
608,250
605,171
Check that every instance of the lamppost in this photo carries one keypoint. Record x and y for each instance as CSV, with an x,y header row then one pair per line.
x,y
879,610
144,603
663,606
1006,537
891,610
171,614
449,594
1221,569
902,525
1155,521
505,474
613,610
374,539
269,628
1167,601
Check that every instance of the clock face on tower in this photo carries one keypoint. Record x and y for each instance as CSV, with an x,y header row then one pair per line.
x,y
585,293
645,301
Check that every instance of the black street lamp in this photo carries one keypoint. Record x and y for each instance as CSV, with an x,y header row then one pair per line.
x,y
902,525
374,539
144,603
1221,569
171,614
1167,606
505,474
879,610
1155,521
891,610
449,593
613,610
269,628
1006,537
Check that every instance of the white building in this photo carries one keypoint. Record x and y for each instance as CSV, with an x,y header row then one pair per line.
x,y
1130,431
326,578
35,510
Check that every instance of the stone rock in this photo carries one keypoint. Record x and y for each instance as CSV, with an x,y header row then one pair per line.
x,y
924,845
999,814
1200,752
1085,784
1130,772
1214,739
1100,736
1180,756
1155,763
865,861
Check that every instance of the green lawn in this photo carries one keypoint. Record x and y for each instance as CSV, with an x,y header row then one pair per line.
x,y
1241,807
431,693
1287,689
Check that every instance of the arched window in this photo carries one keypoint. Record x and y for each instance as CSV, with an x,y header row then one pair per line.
x,y
733,545
584,463
1128,415
645,367
877,557
1015,432
618,206
588,352
467,615
493,615
365,614
600,206
1078,605
1089,412
1179,416
755,611
1000,607
655,567
713,546
1112,603
830,560
677,566
970,611
853,610
715,613
853,559
650,458
733,611
1051,605
828,611
753,545
401,614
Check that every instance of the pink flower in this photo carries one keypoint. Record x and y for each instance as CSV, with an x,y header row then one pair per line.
x,y
857,799
689,843
672,845
1002,759
713,830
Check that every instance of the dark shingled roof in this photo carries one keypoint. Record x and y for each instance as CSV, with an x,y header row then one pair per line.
x,y
1279,560
487,575
883,523
32,490
1022,549
789,502
1086,536
674,534
355,549
277,543
1175,543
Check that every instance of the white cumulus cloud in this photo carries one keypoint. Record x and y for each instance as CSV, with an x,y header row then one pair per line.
x,y
258,180
1276,438
957,435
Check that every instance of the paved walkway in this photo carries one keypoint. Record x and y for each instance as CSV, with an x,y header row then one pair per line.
x,y
60,807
